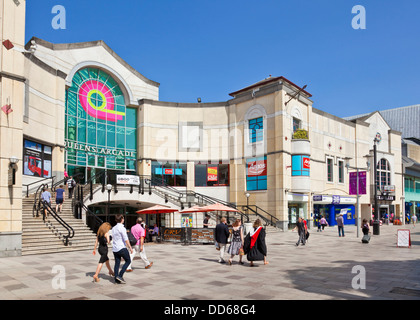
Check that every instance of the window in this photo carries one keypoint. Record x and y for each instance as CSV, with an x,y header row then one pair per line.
x,y
37,159
330,168
340,171
383,176
300,165
256,174
208,175
99,122
256,130
296,124
170,173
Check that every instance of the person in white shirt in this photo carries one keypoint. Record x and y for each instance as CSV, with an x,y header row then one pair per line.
x,y
120,243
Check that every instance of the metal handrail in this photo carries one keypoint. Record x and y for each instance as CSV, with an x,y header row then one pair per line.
x,y
89,212
52,212
269,220
27,185
37,201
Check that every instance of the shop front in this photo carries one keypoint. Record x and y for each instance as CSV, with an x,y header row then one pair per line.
x,y
331,206
297,208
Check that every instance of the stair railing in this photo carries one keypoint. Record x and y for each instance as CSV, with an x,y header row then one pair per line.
x,y
51,212
42,180
261,213
98,221
37,201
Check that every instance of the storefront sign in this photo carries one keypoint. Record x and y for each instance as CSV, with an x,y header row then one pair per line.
x,y
83,147
257,168
128,179
335,199
385,198
388,189
173,234
306,162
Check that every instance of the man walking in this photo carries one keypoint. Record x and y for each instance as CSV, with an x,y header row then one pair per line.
x,y
46,198
340,224
139,233
70,185
300,227
222,235
119,243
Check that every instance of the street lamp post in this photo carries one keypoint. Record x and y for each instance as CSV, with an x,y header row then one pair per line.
x,y
109,188
375,223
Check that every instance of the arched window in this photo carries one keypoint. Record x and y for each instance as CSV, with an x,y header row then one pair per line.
x,y
100,129
383,177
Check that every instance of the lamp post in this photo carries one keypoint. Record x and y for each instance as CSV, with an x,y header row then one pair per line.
x,y
109,188
375,223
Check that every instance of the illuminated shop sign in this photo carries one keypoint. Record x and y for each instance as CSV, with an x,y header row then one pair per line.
x,y
99,150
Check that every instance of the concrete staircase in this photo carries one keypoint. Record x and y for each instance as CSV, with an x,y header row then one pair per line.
x,y
39,237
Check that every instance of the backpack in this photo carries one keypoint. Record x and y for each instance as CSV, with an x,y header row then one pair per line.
x,y
132,239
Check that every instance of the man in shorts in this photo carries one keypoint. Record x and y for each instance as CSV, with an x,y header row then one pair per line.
x,y
59,198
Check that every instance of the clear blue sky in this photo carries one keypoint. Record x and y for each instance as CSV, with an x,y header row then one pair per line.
x,y
209,48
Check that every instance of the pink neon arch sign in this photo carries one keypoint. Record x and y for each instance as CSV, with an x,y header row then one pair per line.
x,y
93,91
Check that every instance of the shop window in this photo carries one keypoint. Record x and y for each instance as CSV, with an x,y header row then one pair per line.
x,y
208,175
256,130
170,173
256,174
37,159
330,170
300,165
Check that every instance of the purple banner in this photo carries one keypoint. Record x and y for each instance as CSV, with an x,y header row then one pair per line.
x,y
353,183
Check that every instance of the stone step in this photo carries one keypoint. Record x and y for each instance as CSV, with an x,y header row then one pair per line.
x,y
39,237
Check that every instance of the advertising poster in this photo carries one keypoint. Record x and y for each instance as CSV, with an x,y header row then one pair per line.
x,y
36,159
212,174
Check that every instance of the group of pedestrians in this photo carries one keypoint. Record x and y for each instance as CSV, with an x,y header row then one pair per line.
x,y
252,245
121,248
59,195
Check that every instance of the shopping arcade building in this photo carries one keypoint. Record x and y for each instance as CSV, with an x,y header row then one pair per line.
x,y
80,107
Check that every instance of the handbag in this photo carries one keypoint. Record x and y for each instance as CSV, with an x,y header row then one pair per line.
x,y
216,244
132,239
241,252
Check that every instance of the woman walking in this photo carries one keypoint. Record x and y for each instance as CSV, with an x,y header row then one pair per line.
x,y
237,243
254,244
102,239
323,223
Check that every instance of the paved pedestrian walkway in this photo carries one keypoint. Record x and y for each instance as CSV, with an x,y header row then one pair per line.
x,y
328,267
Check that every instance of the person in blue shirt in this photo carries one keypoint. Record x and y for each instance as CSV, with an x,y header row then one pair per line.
x,y
46,197
59,198
120,243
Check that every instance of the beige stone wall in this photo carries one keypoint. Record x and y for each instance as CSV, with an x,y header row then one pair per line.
x,y
11,92
413,152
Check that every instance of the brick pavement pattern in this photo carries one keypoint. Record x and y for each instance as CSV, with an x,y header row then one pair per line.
x,y
321,270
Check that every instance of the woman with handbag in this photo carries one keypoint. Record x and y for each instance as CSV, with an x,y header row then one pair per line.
x,y
237,242
254,244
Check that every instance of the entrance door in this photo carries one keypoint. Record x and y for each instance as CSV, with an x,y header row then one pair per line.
x,y
382,213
